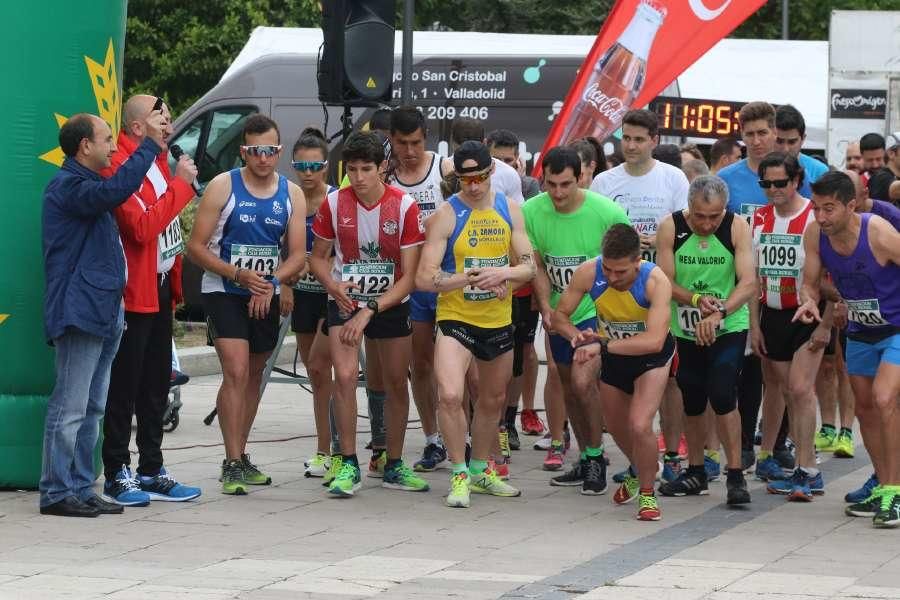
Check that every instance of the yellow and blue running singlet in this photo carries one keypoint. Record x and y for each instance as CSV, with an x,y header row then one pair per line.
x,y
621,314
480,238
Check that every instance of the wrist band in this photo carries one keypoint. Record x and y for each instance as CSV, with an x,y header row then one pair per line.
x,y
694,300
237,272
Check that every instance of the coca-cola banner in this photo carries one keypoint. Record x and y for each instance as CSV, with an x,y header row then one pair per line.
x,y
858,104
641,48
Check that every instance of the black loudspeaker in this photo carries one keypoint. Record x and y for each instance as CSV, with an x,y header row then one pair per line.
x,y
356,65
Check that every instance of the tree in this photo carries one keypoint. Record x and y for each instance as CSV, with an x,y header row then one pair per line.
x,y
179,50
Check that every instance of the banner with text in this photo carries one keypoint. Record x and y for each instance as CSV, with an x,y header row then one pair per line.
x,y
641,48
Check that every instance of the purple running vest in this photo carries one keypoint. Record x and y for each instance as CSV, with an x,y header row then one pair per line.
x,y
872,292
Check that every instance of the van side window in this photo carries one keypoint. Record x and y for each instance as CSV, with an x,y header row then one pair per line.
x,y
213,140
222,152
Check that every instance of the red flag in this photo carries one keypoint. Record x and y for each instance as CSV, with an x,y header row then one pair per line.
x,y
641,48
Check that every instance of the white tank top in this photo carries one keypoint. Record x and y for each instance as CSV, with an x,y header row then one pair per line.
x,y
427,192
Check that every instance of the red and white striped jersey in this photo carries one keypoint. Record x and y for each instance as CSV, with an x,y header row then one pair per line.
x,y
779,254
369,235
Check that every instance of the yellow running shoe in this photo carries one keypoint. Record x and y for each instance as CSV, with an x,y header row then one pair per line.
x,y
489,482
843,447
458,496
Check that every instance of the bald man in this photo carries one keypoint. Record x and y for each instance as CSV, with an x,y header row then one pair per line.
x,y
853,160
139,381
865,204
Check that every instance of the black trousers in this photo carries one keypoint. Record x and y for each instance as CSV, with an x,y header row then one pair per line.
x,y
750,394
139,385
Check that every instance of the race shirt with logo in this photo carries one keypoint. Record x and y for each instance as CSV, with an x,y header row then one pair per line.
x,y
779,254
249,233
427,192
871,291
565,240
480,238
621,314
648,198
705,265
368,239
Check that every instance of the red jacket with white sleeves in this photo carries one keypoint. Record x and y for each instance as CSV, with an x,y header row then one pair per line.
x,y
142,219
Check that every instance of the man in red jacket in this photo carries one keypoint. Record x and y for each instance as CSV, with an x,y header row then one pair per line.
x,y
139,382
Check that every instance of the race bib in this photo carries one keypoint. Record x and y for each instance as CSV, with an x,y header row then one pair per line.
x,y
372,279
866,313
560,270
688,317
170,242
779,254
309,283
649,255
617,330
476,294
262,259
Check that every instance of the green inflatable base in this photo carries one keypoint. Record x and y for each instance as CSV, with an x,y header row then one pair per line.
x,y
22,440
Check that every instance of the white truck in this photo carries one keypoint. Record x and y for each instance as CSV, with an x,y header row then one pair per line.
x,y
863,77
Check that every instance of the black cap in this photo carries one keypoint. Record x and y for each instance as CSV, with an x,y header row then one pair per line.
x,y
472,150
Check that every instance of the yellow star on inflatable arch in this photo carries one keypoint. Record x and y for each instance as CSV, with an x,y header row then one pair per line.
x,y
105,85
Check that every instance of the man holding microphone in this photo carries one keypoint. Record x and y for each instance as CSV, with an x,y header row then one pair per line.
x,y
139,381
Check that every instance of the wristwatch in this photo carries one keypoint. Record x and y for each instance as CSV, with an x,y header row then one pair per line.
x,y
604,344
373,306
274,281
723,310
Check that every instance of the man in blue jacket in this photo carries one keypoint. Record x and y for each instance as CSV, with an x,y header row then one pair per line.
x,y
85,273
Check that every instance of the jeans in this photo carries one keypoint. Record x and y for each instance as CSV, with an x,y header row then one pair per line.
x,y
74,411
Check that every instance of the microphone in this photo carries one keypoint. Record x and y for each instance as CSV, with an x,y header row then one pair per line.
x,y
176,151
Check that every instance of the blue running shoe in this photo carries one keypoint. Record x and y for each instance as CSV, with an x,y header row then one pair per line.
x,y
780,486
671,469
164,487
817,484
712,467
432,456
124,489
800,487
768,469
863,493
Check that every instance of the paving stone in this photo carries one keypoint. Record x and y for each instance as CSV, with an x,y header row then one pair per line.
x,y
791,583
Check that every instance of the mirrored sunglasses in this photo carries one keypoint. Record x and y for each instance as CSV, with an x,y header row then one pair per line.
x,y
470,179
264,150
779,183
309,165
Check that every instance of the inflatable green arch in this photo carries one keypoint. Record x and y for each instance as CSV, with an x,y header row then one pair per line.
x,y
60,58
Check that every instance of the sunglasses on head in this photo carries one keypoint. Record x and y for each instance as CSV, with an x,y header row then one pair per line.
x,y
469,179
309,165
778,183
262,150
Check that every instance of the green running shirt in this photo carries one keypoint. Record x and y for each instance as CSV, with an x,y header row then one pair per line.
x,y
705,265
565,240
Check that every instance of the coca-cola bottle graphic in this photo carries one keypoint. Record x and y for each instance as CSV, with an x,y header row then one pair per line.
x,y
617,79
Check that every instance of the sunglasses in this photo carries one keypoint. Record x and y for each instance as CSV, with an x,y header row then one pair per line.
x,y
469,179
263,150
778,183
309,165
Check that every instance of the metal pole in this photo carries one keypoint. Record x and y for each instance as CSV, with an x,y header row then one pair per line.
x,y
409,12
785,20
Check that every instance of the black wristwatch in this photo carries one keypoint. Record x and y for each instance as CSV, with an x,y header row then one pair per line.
x,y
604,344
373,306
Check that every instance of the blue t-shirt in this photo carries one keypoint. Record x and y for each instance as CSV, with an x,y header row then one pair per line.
x,y
744,193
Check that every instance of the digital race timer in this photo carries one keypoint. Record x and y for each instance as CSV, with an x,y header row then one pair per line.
x,y
693,117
